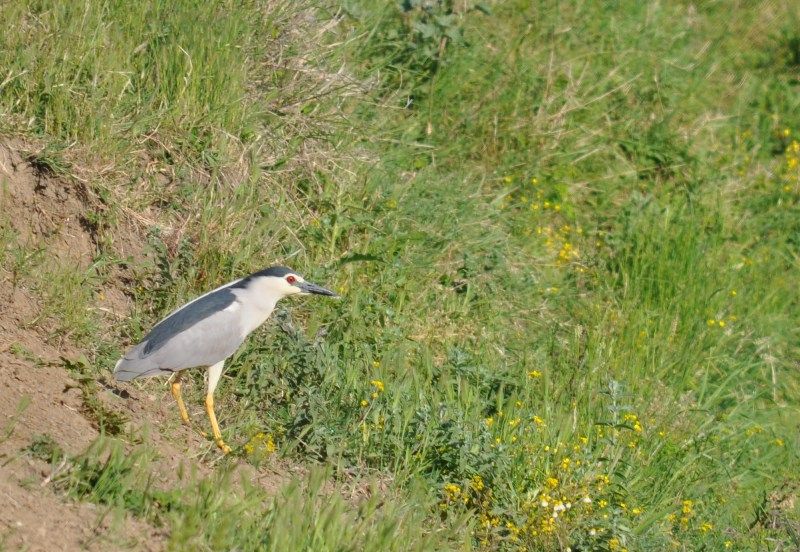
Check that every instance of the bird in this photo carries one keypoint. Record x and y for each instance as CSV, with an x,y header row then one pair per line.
x,y
206,331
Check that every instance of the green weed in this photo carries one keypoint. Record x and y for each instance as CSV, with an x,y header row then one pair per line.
x,y
106,420
45,448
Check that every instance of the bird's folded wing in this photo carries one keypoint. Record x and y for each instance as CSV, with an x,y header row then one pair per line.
x,y
179,345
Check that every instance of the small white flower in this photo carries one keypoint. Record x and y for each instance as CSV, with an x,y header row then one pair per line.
x,y
545,504
586,500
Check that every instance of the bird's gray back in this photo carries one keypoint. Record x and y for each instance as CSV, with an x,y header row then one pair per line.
x,y
201,333
186,317
207,342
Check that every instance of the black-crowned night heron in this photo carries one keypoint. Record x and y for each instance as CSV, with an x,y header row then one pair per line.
x,y
209,329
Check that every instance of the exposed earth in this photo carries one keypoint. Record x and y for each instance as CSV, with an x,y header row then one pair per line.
x,y
43,401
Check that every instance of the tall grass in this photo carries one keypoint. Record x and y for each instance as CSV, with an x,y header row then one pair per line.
x,y
565,236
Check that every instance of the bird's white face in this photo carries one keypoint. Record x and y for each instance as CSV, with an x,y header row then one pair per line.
x,y
292,284
277,288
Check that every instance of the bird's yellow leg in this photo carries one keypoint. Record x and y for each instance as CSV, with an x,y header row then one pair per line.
x,y
214,425
175,387
214,373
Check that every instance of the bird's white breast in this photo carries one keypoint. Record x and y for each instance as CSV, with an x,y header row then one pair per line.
x,y
253,309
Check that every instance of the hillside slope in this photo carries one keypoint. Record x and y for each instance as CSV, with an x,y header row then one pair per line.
x,y
565,235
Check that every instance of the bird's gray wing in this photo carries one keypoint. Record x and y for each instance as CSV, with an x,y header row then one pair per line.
x,y
202,333
187,316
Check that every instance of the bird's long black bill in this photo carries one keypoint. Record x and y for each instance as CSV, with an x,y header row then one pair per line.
x,y
308,287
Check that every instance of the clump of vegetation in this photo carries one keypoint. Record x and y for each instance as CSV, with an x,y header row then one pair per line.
x,y
45,448
105,419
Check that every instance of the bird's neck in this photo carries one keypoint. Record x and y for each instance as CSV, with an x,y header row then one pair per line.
x,y
257,303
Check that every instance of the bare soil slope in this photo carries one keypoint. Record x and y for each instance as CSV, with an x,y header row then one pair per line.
x,y
38,397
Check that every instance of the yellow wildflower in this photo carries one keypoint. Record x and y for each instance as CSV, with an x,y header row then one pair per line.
x,y
452,490
260,443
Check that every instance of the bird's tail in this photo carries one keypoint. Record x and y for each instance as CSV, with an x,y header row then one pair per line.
x,y
128,369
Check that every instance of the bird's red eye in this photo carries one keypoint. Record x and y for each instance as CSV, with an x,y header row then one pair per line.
x,y
291,279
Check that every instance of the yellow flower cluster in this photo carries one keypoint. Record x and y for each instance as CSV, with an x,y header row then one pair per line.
x,y
543,201
793,155
452,492
559,243
684,518
633,419
475,495
568,491
791,183
378,387
260,445
615,546
530,193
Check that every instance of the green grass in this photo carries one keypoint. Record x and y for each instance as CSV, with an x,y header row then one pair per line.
x,y
565,234
220,511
